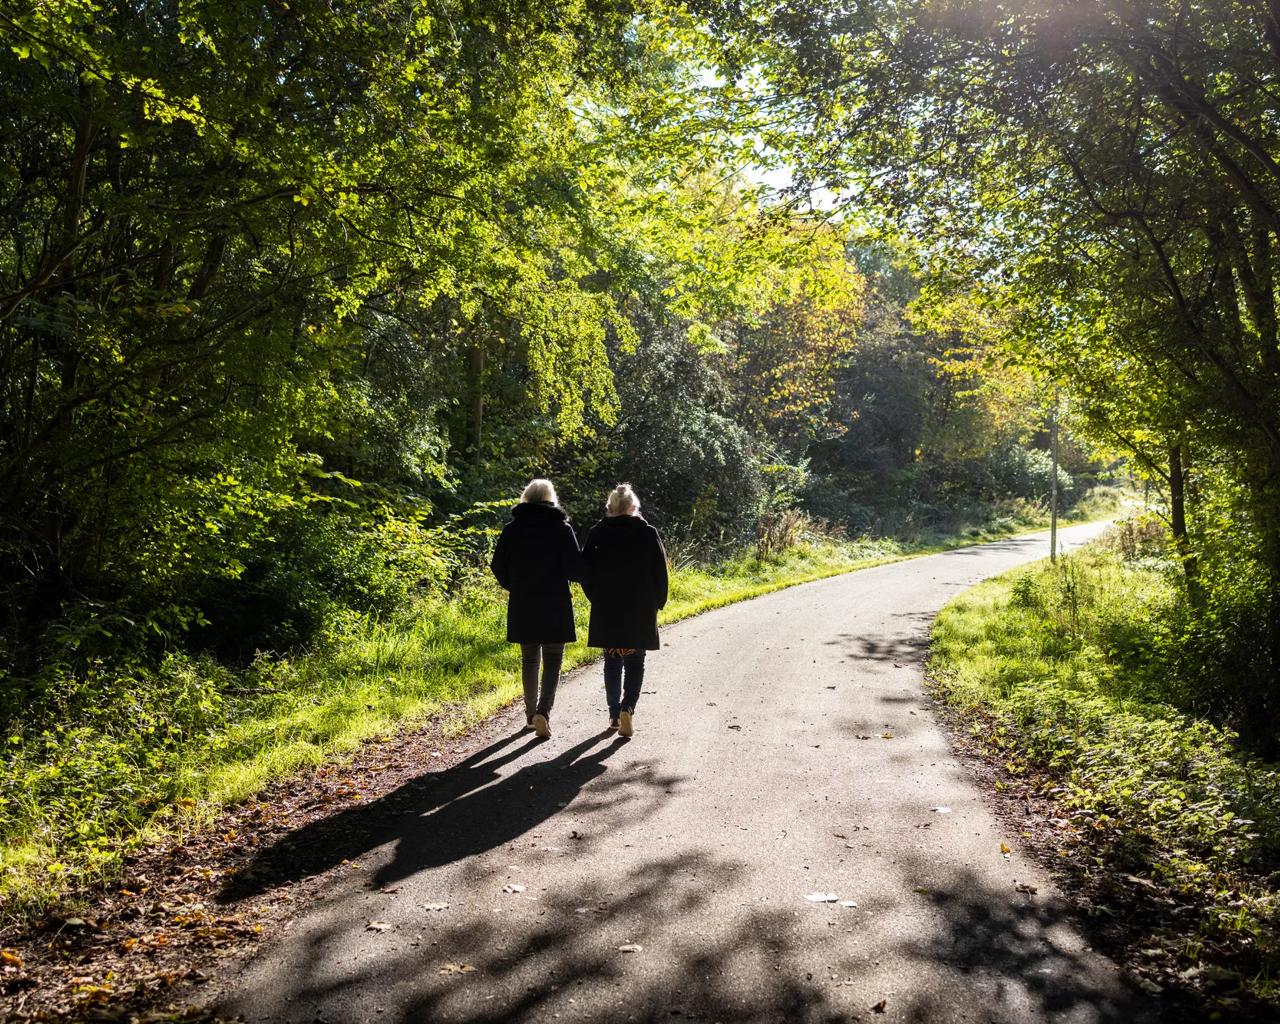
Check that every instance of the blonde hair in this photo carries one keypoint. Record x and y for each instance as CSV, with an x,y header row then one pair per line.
x,y
540,490
622,501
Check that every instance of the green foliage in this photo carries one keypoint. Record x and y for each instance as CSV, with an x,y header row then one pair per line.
x,y
1072,672
1101,183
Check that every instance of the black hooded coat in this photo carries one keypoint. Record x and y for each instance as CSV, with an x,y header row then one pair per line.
x,y
627,582
535,558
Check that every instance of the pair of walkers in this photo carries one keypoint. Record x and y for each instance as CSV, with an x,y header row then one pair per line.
x,y
623,571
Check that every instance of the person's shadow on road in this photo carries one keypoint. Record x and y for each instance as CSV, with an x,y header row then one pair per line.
x,y
436,818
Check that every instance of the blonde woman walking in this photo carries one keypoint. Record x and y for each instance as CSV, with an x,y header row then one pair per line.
x,y
535,558
627,585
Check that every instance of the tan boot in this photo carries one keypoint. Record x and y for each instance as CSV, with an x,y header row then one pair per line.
x,y
542,727
624,724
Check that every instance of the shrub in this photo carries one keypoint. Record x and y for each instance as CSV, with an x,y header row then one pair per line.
x,y
1073,672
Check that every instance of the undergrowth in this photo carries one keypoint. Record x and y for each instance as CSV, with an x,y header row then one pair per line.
x,y
1068,674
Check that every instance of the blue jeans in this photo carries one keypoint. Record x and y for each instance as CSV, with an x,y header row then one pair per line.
x,y
623,677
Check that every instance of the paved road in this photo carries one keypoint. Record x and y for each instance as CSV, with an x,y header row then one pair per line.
x,y
758,774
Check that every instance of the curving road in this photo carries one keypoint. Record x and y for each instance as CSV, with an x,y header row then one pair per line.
x,y
594,879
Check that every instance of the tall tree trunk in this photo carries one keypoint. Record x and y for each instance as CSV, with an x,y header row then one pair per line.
x,y
1178,524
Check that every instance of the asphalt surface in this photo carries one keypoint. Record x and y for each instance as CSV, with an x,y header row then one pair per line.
x,y
590,878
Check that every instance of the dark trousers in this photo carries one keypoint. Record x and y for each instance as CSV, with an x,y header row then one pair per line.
x,y
623,677
551,656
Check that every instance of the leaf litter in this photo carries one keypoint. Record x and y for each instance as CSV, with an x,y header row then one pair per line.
x,y
165,920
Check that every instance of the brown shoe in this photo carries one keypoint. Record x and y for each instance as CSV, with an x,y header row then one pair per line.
x,y
624,724
542,727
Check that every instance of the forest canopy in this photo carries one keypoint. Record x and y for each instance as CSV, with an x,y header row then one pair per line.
x,y
281,279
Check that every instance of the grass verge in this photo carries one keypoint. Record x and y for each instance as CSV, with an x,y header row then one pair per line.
x,y
1050,667
163,749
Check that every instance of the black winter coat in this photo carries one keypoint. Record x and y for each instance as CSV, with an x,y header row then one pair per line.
x,y
626,582
535,558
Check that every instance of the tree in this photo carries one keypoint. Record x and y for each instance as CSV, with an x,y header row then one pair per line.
x,y
1095,164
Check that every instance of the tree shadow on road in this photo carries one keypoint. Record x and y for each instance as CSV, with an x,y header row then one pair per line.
x,y
1023,954
902,649
963,952
566,961
435,818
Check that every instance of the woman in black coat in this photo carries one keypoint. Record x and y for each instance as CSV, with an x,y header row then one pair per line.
x,y
627,585
535,558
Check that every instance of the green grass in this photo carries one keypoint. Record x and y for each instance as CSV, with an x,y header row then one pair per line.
x,y
152,750
1055,670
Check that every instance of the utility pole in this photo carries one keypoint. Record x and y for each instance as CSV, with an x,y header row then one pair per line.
x,y
1053,479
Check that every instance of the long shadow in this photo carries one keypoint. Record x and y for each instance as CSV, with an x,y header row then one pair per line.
x,y
436,817
489,817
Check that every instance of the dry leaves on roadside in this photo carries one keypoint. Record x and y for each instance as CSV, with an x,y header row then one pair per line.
x,y
457,969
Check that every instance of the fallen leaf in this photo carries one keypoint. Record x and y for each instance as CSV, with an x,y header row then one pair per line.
x,y
821,897
10,957
630,947
863,737
457,969
879,1007
513,888
921,890
886,735
848,903
1004,848
735,727
377,926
